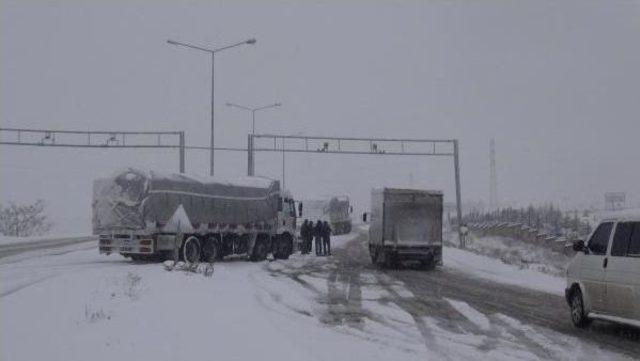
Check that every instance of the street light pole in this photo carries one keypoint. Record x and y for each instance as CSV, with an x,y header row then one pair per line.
x,y
253,121
253,112
212,52
213,91
250,154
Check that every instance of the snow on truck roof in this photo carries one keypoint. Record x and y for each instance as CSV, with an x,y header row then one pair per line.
x,y
240,181
406,190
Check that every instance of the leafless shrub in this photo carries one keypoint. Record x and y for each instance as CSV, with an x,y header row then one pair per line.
x,y
132,286
92,315
24,220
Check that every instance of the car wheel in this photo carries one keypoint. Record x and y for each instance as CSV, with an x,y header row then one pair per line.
x,y
578,316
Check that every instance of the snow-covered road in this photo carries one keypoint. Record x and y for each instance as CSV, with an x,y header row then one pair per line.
x,y
78,305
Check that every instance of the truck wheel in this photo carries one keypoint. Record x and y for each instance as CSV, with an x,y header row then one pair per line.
x,y
191,250
390,260
578,316
259,251
211,250
428,264
284,247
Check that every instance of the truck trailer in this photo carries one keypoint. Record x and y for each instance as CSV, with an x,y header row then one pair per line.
x,y
406,224
148,215
335,210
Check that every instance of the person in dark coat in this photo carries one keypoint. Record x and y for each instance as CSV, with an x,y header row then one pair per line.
x,y
304,234
326,238
317,233
309,239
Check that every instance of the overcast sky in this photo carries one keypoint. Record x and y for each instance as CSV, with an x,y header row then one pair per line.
x,y
557,84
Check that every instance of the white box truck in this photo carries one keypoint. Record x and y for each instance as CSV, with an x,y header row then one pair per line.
x,y
406,224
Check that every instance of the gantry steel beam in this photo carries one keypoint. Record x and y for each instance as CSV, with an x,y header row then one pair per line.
x,y
95,139
358,146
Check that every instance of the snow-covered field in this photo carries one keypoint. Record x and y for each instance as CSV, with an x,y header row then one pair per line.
x,y
78,305
9,240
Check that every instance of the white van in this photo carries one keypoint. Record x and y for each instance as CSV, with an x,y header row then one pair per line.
x,y
603,280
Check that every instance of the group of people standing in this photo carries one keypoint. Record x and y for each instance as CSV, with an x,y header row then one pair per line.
x,y
321,231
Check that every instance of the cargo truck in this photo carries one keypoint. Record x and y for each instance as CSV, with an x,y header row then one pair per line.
x,y
406,224
154,216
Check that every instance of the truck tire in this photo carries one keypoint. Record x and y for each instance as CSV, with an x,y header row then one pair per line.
x,y
260,251
191,251
428,264
284,247
375,257
211,250
389,260
578,316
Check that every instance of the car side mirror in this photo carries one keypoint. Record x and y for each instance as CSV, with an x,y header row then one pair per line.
x,y
579,246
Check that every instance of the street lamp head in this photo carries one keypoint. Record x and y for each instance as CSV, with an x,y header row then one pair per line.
x,y
172,42
251,41
277,104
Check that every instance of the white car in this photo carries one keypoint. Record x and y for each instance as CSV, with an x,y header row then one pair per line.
x,y
603,280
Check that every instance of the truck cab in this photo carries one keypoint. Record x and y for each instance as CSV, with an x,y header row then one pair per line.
x,y
287,214
283,241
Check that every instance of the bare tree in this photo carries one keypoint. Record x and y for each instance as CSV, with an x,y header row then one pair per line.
x,y
24,220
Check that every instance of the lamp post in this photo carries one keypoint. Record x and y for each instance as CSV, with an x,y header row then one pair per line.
x,y
253,112
213,53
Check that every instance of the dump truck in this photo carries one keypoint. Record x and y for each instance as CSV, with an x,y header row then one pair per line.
x,y
406,224
335,210
147,215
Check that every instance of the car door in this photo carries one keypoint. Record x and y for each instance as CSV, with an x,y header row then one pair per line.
x,y
620,279
633,269
593,266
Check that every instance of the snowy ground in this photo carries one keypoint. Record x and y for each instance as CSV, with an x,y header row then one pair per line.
x,y
78,305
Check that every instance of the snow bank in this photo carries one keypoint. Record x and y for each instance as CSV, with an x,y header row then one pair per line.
x,y
521,254
7,240
495,270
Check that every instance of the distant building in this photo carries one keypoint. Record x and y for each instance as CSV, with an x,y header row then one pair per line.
x,y
614,201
